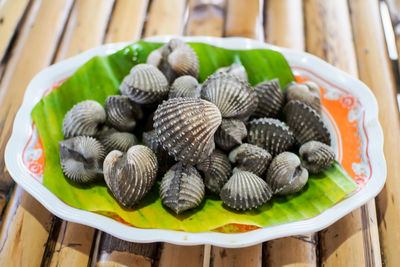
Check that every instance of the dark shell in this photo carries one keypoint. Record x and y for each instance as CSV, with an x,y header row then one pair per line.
x,y
165,161
184,86
305,123
236,70
230,134
270,134
122,113
83,119
286,175
185,127
270,99
251,158
307,92
182,188
316,156
217,171
114,140
81,158
130,175
144,84
233,97
245,190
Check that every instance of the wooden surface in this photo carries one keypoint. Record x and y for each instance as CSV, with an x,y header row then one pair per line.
x,y
347,34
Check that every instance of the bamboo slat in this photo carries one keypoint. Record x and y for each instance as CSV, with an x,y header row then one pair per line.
x,y
206,17
244,18
173,255
127,20
371,52
348,241
10,14
249,256
165,17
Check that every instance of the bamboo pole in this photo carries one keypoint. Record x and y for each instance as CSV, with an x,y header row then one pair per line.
x,y
249,256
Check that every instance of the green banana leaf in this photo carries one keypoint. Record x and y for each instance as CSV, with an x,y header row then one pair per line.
x,y
101,76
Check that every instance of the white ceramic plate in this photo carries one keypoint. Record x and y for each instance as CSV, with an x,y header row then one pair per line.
x,y
338,88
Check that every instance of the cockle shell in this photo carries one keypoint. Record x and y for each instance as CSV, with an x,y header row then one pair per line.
x,y
130,175
270,99
316,156
186,126
114,140
81,158
230,133
305,123
182,188
144,84
245,190
307,92
251,158
236,70
165,161
184,86
122,113
286,175
85,118
233,97
270,134
174,59
217,171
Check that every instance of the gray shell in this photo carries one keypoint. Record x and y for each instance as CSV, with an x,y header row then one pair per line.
x,y
305,123
270,134
270,99
144,84
122,113
81,158
174,59
233,97
230,134
165,161
217,171
307,92
182,188
186,127
286,175
251,158
184,86
130,175
245,190
114,140
85,118
236,70
316,156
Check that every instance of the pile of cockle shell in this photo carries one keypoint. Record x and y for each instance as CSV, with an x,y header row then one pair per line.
x,y
194,134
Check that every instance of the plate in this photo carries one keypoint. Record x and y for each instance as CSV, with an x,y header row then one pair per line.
x,y
354,126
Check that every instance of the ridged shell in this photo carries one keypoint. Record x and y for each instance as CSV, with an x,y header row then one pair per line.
x,y
233,97
286,175
230,133
81,158
316,156
236,70
165,161
186,127
217,171
307,92
305,123
245,190
174,59
144,84
122,113
182,188
251,158
130,175
114,140
270,99
270,134
184,86
85,118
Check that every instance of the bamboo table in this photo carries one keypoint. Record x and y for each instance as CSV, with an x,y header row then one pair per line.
x,y
347,34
